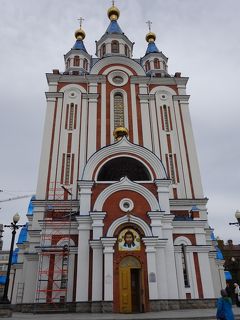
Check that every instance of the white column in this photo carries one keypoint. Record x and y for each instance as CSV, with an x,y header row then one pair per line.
x,y
84,226
85,196
156,223
134,114
154,128
169,253
163,194
103,114
191,273
147,139
97,270
108,251
83,136
92,124
97,225
150,244
205,271
161,269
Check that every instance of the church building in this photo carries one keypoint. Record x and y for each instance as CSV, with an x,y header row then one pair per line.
x,y
119,221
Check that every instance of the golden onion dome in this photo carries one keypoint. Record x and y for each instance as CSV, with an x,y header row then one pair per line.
x,y
150,37
80,34
120,132
113,13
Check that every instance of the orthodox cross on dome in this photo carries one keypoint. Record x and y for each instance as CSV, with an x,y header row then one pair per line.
x,y
81,21
149,25
113,3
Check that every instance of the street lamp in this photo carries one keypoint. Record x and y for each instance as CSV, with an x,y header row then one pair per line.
x,y
13,226
237,216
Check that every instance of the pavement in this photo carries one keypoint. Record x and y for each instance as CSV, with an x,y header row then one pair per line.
x,y
187,314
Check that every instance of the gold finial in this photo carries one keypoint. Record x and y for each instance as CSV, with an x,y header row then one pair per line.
x,y
80,34
113,12
150,36
120,132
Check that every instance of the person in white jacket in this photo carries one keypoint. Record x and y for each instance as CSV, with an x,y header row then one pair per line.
x,y
237,294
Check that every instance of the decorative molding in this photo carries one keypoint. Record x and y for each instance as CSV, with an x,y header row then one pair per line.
x,y
124,146
184,98
117,60
132,219
126,184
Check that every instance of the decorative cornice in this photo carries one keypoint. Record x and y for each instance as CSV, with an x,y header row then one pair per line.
x,y
50,95
190,224
90,96
188,202
84,222
96,244
184,98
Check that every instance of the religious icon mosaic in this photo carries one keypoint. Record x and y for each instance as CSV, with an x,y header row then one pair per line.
x,y
129,240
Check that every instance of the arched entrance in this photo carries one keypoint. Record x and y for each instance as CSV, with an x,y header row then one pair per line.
x,y
130,285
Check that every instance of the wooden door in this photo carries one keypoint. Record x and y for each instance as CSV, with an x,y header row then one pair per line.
x,y
125,290
130,285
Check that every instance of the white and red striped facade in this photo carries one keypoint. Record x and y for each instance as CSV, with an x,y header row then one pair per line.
x,y
78,145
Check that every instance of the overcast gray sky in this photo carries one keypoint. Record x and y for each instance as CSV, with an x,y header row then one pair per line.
x,y
200,38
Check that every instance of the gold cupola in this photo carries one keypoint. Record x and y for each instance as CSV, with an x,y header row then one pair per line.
x,y
113,13
80,33
120,132
150,37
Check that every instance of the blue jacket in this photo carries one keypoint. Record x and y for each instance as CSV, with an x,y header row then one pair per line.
x,y
224,309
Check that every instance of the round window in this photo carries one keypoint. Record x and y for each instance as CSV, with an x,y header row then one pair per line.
x,y
126,205
117,80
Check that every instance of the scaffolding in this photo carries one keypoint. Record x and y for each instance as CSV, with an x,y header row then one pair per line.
x,y
54,248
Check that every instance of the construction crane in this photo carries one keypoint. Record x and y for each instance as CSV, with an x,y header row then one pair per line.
x,y
17,197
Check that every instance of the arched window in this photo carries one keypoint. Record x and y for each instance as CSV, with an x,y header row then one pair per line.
x,y
115,46
156,64
103,50
68,63
126,50
118,110
147,65
85,64
120,167
76,61
184,265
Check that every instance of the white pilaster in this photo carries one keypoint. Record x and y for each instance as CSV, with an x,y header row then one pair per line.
x,y
150,244
161,269
85,196
92,124
103,114
97,225
108,251
84,226
146,130
169,253
205,271
83,136
97,270
163,194
134,114
156,222
154,128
